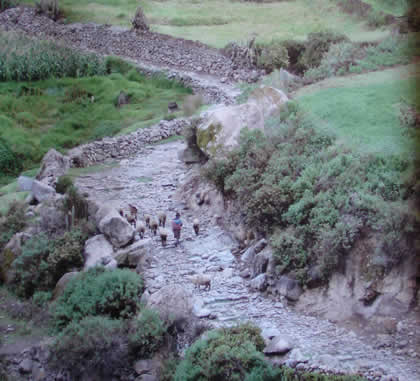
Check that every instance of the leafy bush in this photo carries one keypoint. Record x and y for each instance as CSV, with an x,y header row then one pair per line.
x,y
317,44
96,344
146,333
48,8
273,55
346,57
26,59
63,184
41,298
6,4
226,354
99,292
314,199
13,222
43,261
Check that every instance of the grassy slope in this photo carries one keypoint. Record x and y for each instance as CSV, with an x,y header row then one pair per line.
x,y
393,7
204,21
363,109
33,124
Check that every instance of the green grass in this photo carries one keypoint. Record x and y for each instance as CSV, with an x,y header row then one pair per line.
x,y
204,21
76,172
393,7
63,116
144,179
363,110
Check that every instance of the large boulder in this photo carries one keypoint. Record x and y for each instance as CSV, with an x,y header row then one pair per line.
x,y
62,283
118,231
173,303
53,165
41,191
52,217
136,254
98,252
288,288
25,183
220,130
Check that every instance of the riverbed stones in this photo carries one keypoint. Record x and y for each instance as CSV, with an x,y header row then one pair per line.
x,y
279,345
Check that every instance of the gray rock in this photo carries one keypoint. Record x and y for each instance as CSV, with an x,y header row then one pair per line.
x,y
278,345
173,303
24,183
25,366
62,283
41,191
143,366
97,252
135,254
288,287
269,333
117,229
53,165
259,283
260,263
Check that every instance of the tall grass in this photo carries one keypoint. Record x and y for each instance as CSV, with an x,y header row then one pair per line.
x,y
26,59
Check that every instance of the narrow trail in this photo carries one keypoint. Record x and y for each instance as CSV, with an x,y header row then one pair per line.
x,y
149,181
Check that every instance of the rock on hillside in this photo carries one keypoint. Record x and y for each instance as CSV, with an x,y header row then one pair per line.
x,y
221,128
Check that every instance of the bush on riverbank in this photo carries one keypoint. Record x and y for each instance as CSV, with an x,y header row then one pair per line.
x,y
315,199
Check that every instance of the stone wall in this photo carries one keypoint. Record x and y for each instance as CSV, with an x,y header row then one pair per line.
x,y
124,146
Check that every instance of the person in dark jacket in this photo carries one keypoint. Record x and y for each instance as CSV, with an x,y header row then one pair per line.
x,y
176,228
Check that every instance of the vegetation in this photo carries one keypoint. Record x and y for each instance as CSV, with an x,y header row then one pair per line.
x,y
13,222
43,261
315,198
99,292
225,354
63,113
346,57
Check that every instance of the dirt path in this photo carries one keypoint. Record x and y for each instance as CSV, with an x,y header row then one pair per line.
x,y
149,181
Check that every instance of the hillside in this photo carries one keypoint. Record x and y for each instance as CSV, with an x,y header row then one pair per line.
x,y
287,149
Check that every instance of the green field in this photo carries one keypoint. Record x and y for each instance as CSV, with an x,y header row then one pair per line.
x,y
392,7
218,22
363,110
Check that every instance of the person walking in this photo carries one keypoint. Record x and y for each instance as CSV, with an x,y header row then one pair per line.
x,y
176,228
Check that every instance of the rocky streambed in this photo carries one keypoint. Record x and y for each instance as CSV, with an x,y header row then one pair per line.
x,y
149,180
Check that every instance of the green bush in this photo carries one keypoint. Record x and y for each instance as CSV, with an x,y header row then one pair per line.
x,y
41,298
316,45
6,4
226,354
273,55
44,261
146,333
113,293
96,344
295,49
314,199
63,184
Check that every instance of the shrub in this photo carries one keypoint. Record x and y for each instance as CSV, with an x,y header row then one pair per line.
x,y
41,298
317,44
6,4
226,354
139,21
96,344
273,55
48,8
295,49
314,199
413,18
99,292
63,184
146,333
75,204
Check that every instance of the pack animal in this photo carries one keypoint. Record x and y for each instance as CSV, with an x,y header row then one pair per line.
x,y
141,229
162,218
201,280
164,233
196,226
154,225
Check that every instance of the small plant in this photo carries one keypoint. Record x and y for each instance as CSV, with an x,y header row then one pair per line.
x,y
6,4
48,8
139,22
41,298
273,55
99,292
63,184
